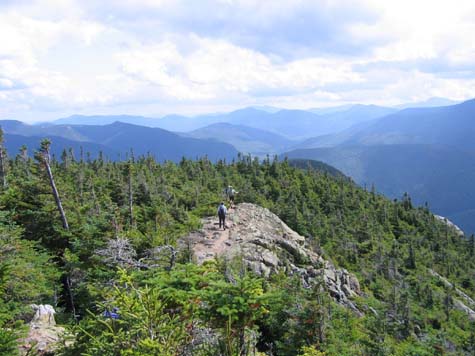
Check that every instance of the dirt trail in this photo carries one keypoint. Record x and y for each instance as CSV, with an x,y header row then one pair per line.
x,y
211,240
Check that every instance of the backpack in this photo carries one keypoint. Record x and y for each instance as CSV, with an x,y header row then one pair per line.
x,y
221,210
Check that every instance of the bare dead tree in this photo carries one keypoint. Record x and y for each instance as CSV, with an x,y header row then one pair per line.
x,y
161,256
120,252
94,197
23,156
3,161
131,197
44,157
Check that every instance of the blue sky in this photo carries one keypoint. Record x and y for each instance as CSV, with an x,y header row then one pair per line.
x,y
154,57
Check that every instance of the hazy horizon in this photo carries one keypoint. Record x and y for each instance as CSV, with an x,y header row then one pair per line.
x,y
431,102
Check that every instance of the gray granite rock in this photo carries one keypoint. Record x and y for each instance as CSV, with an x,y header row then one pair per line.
x,y
268,246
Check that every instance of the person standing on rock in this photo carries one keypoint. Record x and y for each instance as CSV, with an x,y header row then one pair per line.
x,y
222,215
230,193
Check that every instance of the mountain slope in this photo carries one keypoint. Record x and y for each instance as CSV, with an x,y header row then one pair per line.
x,y
13,143
431,102
440,175
427,152
122,138
245,139
294,124
319,166
164,145
19,128
357,114
448,125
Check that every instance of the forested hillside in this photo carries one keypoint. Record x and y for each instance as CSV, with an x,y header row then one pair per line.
x,y
108,242
427,152
438,175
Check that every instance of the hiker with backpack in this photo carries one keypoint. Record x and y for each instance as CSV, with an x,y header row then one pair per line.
x,y
230,193
222,215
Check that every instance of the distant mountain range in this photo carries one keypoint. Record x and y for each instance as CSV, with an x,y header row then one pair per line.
x,y
427,152
346,117
244,138
292,124
431,102
14,142
448,125
106,120
115,140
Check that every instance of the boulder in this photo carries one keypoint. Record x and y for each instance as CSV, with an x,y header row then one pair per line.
x,y
44,315
44,335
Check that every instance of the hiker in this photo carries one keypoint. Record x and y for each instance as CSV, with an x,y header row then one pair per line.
x,y
222,215
230,193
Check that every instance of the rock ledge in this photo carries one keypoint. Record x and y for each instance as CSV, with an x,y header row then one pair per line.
x,y
267,246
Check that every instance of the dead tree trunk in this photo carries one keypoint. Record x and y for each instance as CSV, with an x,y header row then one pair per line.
x,y
131,197
56,197
24,160
3,162
3,172
45,157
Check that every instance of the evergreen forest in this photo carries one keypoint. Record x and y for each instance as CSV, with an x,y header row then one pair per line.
x,y
93,237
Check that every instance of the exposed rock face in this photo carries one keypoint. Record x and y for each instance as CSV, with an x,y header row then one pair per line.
x,y
44,335
465,305
450,224
267,245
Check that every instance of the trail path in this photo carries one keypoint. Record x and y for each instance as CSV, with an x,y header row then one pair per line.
x,y
211,240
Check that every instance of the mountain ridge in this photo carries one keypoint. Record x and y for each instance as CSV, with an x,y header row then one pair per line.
x,y
246,139
305,122
120,138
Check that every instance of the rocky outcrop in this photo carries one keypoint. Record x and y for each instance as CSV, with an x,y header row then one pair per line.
x,y
43,336
450,224
464,303
267,246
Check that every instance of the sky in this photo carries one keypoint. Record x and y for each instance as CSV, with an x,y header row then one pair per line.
x,y
157,57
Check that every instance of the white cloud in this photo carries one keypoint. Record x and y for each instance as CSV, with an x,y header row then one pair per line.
x,y
216,68
163,56
26,42
420,29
